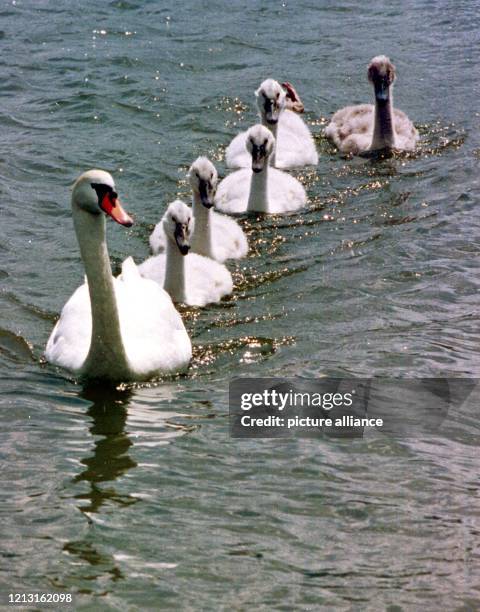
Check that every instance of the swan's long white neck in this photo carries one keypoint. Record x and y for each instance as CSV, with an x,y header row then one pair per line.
x,y
174,283
383,130
106,357
202,230
274,129
258,196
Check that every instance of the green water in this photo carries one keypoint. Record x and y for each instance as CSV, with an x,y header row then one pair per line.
x,y
138,499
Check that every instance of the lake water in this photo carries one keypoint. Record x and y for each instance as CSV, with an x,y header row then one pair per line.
x,y
138,498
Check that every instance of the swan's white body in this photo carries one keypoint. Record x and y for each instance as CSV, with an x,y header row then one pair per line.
x,y
214,235
294,143
135,332
189,278
295,146
267,190
206,281
277,191
367,127
153,335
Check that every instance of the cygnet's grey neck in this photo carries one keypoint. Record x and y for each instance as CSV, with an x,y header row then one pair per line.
x,y
383,130
174,283
202,230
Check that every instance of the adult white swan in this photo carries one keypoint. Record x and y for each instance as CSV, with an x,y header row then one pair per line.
x,y
189,278
364,127
261,188
278,110
214,235
114,329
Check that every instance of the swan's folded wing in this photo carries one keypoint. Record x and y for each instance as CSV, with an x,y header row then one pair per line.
x,y
229,240
207,280
295,144
294,123
351,128
406,134
130,271
232,193
69,341
153,332
236,155
286,193
154,268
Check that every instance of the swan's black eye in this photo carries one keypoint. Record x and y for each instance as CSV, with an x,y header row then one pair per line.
x,y
265,142
102,189
278,95
211,176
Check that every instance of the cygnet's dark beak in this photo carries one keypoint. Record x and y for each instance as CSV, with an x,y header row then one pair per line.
x,y
382,90
182,238
272,112
207,193
259,157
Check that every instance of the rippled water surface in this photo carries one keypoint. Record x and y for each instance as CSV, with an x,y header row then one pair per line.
x,y
138,498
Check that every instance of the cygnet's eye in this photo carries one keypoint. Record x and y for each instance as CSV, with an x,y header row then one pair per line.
x,y
211,176
265,142
278,95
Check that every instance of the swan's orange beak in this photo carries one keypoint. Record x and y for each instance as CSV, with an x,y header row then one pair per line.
x,y
111,206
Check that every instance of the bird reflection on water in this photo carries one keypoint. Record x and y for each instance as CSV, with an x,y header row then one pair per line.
x,y
110,458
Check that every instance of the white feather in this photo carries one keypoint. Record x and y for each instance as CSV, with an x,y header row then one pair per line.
x,y
295,145
206,281
147,338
